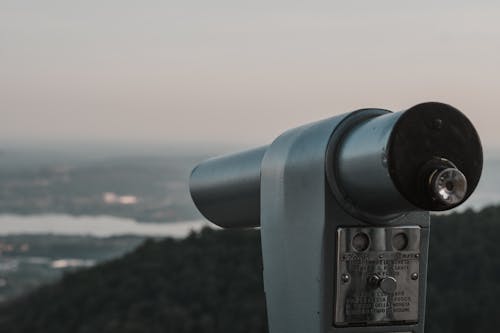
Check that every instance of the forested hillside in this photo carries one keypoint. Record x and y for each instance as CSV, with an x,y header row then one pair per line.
x,y
211,282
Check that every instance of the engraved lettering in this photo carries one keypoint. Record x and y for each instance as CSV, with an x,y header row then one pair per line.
x,y
362,300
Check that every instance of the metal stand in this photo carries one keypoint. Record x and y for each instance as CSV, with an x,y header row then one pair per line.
x,y
343,209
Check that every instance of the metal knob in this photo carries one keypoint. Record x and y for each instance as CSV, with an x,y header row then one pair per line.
x,y
388,285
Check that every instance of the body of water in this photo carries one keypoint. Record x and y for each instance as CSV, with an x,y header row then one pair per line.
x,y
98,226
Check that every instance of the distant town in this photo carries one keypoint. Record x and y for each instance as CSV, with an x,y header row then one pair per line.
x,y
144,189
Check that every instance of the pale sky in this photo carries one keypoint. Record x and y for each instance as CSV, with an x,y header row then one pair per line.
x,y
237,71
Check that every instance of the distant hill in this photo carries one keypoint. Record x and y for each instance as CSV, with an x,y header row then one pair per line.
x,y
211,282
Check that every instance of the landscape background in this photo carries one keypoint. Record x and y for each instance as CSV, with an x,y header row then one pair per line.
x,y
83,249
106,106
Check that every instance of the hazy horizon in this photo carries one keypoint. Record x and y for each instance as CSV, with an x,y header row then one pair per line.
x,y
187,72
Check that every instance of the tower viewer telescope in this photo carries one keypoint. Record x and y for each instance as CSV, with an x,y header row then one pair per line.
x,y
343,205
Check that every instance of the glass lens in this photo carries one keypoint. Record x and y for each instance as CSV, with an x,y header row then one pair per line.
x,y
449,186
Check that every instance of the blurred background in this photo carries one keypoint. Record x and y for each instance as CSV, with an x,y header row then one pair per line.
x,y
105,107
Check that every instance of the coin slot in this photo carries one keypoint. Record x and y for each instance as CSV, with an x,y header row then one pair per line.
x,y
400,241
360,242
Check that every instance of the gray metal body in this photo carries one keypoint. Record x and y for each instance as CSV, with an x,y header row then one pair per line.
x,y
362,170
299,222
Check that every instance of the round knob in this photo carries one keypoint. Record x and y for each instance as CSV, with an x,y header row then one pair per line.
x,y
388,285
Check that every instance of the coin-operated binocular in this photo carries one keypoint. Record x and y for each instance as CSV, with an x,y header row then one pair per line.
x,y
343,206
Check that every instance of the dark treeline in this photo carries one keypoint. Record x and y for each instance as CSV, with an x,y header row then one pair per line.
x,y
211,282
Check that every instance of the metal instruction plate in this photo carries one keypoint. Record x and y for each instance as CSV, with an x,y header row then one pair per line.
x,y
378,276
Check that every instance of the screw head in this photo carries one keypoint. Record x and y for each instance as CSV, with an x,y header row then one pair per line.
x,y
374,280
414,276
345,277
437,124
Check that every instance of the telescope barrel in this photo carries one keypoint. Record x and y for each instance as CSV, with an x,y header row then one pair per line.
x,y
379,165
226,190
428,157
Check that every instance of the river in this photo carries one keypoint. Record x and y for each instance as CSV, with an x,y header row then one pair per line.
x,y
98,226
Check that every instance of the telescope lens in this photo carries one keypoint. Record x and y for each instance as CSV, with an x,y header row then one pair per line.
x,y
449,186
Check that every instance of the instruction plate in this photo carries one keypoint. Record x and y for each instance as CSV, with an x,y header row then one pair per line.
x,y
378,275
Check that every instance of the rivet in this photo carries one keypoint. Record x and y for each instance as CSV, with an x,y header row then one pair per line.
x,y
374,280
437,124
